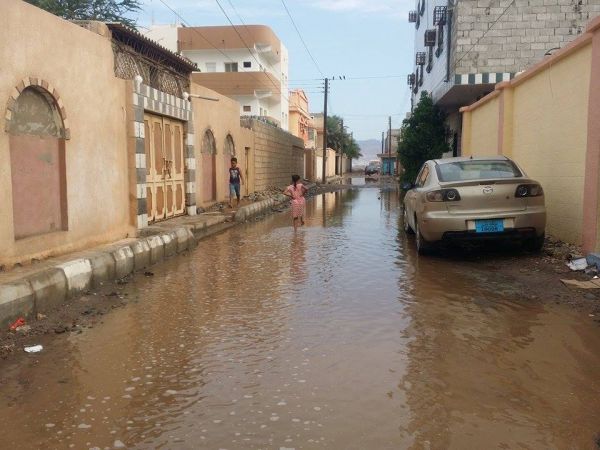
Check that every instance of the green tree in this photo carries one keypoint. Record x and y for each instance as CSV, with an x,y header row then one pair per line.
x,y
102,10
339,139
423,137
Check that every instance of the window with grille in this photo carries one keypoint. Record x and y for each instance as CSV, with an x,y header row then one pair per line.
x,y
231,67
211,67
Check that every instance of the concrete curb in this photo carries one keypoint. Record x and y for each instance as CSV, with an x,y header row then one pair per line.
x,y
249,211
48,288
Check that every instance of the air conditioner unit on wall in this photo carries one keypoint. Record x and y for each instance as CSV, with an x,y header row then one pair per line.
x,y
430,36
439,15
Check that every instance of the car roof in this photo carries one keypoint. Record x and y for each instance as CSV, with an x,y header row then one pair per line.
x,y
471,158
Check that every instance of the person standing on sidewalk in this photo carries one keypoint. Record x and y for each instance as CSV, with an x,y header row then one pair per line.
x,y
235,181
296,192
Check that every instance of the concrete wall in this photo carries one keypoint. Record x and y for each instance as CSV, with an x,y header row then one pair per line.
x,y
484,136
277,154
39,48
521,37
542,120
222,118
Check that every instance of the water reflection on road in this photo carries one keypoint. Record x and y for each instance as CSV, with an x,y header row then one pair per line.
x,y
335,336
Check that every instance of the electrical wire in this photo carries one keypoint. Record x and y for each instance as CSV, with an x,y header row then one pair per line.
x,y
301,38
195,29
247,46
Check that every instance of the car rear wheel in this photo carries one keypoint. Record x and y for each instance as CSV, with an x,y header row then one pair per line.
x,y
535,244
407,228
423,247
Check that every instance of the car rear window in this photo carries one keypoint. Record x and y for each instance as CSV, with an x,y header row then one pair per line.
x,y
476,170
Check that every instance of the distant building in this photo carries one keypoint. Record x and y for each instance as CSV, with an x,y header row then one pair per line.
x,y
247,63
463,48
299,116
389,155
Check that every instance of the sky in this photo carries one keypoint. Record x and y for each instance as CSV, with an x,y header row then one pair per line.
x,y
351,38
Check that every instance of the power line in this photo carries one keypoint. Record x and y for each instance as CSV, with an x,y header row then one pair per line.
x,y
301,38
248,48
209,42
485,33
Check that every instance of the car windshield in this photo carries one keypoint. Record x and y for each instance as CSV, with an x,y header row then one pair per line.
x,y
476,170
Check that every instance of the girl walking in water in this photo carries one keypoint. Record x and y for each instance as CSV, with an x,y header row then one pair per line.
x,y
296,192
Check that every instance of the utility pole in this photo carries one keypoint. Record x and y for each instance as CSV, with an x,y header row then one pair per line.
x,y
339,164
390,135
324,180
382,142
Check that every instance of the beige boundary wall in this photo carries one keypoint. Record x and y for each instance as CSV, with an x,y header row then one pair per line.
x,y
222,119
277,154
74,68
547,119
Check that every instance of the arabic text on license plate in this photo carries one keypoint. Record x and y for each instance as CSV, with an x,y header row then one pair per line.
x,y
489,226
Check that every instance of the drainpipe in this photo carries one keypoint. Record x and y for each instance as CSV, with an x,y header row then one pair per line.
x,y
449,40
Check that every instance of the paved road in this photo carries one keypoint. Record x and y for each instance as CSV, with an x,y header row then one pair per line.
x,y
335,336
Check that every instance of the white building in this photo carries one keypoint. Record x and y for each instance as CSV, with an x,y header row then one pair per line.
x,y
247,63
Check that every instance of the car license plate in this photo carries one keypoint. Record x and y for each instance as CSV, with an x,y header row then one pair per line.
x,y
489,226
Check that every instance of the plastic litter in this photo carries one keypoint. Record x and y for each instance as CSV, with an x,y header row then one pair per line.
x,y
34,349
17,323
578,264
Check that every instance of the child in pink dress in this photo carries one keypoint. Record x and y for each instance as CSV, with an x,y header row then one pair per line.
x,y
296,192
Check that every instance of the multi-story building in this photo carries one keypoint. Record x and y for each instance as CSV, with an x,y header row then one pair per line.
x,y
463,48
299,116
247,63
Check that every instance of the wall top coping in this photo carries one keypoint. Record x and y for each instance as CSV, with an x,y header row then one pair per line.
x,y
592,28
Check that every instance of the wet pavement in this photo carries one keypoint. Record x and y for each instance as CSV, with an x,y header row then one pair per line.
x,y
335,336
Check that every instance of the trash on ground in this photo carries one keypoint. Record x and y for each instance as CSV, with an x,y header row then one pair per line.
x,y
24,329
592,284
578,264
34,349
17,323
41,316
149,274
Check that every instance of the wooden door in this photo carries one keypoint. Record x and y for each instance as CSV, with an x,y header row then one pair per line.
x,y
165,188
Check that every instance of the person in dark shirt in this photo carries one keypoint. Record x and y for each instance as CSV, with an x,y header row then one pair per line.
x,y
235,180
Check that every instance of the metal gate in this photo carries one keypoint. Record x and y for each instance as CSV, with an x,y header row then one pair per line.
x,y
164,167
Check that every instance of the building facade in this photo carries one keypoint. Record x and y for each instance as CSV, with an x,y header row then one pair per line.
x,y
247,63
463,48
299,116
547,119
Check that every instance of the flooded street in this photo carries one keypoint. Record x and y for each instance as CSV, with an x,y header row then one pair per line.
x,y
335,336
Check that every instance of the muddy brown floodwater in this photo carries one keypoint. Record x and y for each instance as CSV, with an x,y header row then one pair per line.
x,y
335,336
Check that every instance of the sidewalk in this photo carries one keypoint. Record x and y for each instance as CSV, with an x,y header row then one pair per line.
x,y
43,286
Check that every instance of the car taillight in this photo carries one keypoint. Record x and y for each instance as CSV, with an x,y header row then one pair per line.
x,y
443,195
529,190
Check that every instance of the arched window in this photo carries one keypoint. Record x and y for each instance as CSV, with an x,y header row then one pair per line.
x,y
229,146
37,161
208,143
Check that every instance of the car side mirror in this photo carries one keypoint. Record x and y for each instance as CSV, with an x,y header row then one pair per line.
x,y
407,186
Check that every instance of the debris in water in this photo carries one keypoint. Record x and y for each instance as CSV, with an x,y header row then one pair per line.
x,y
17,323
34,349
